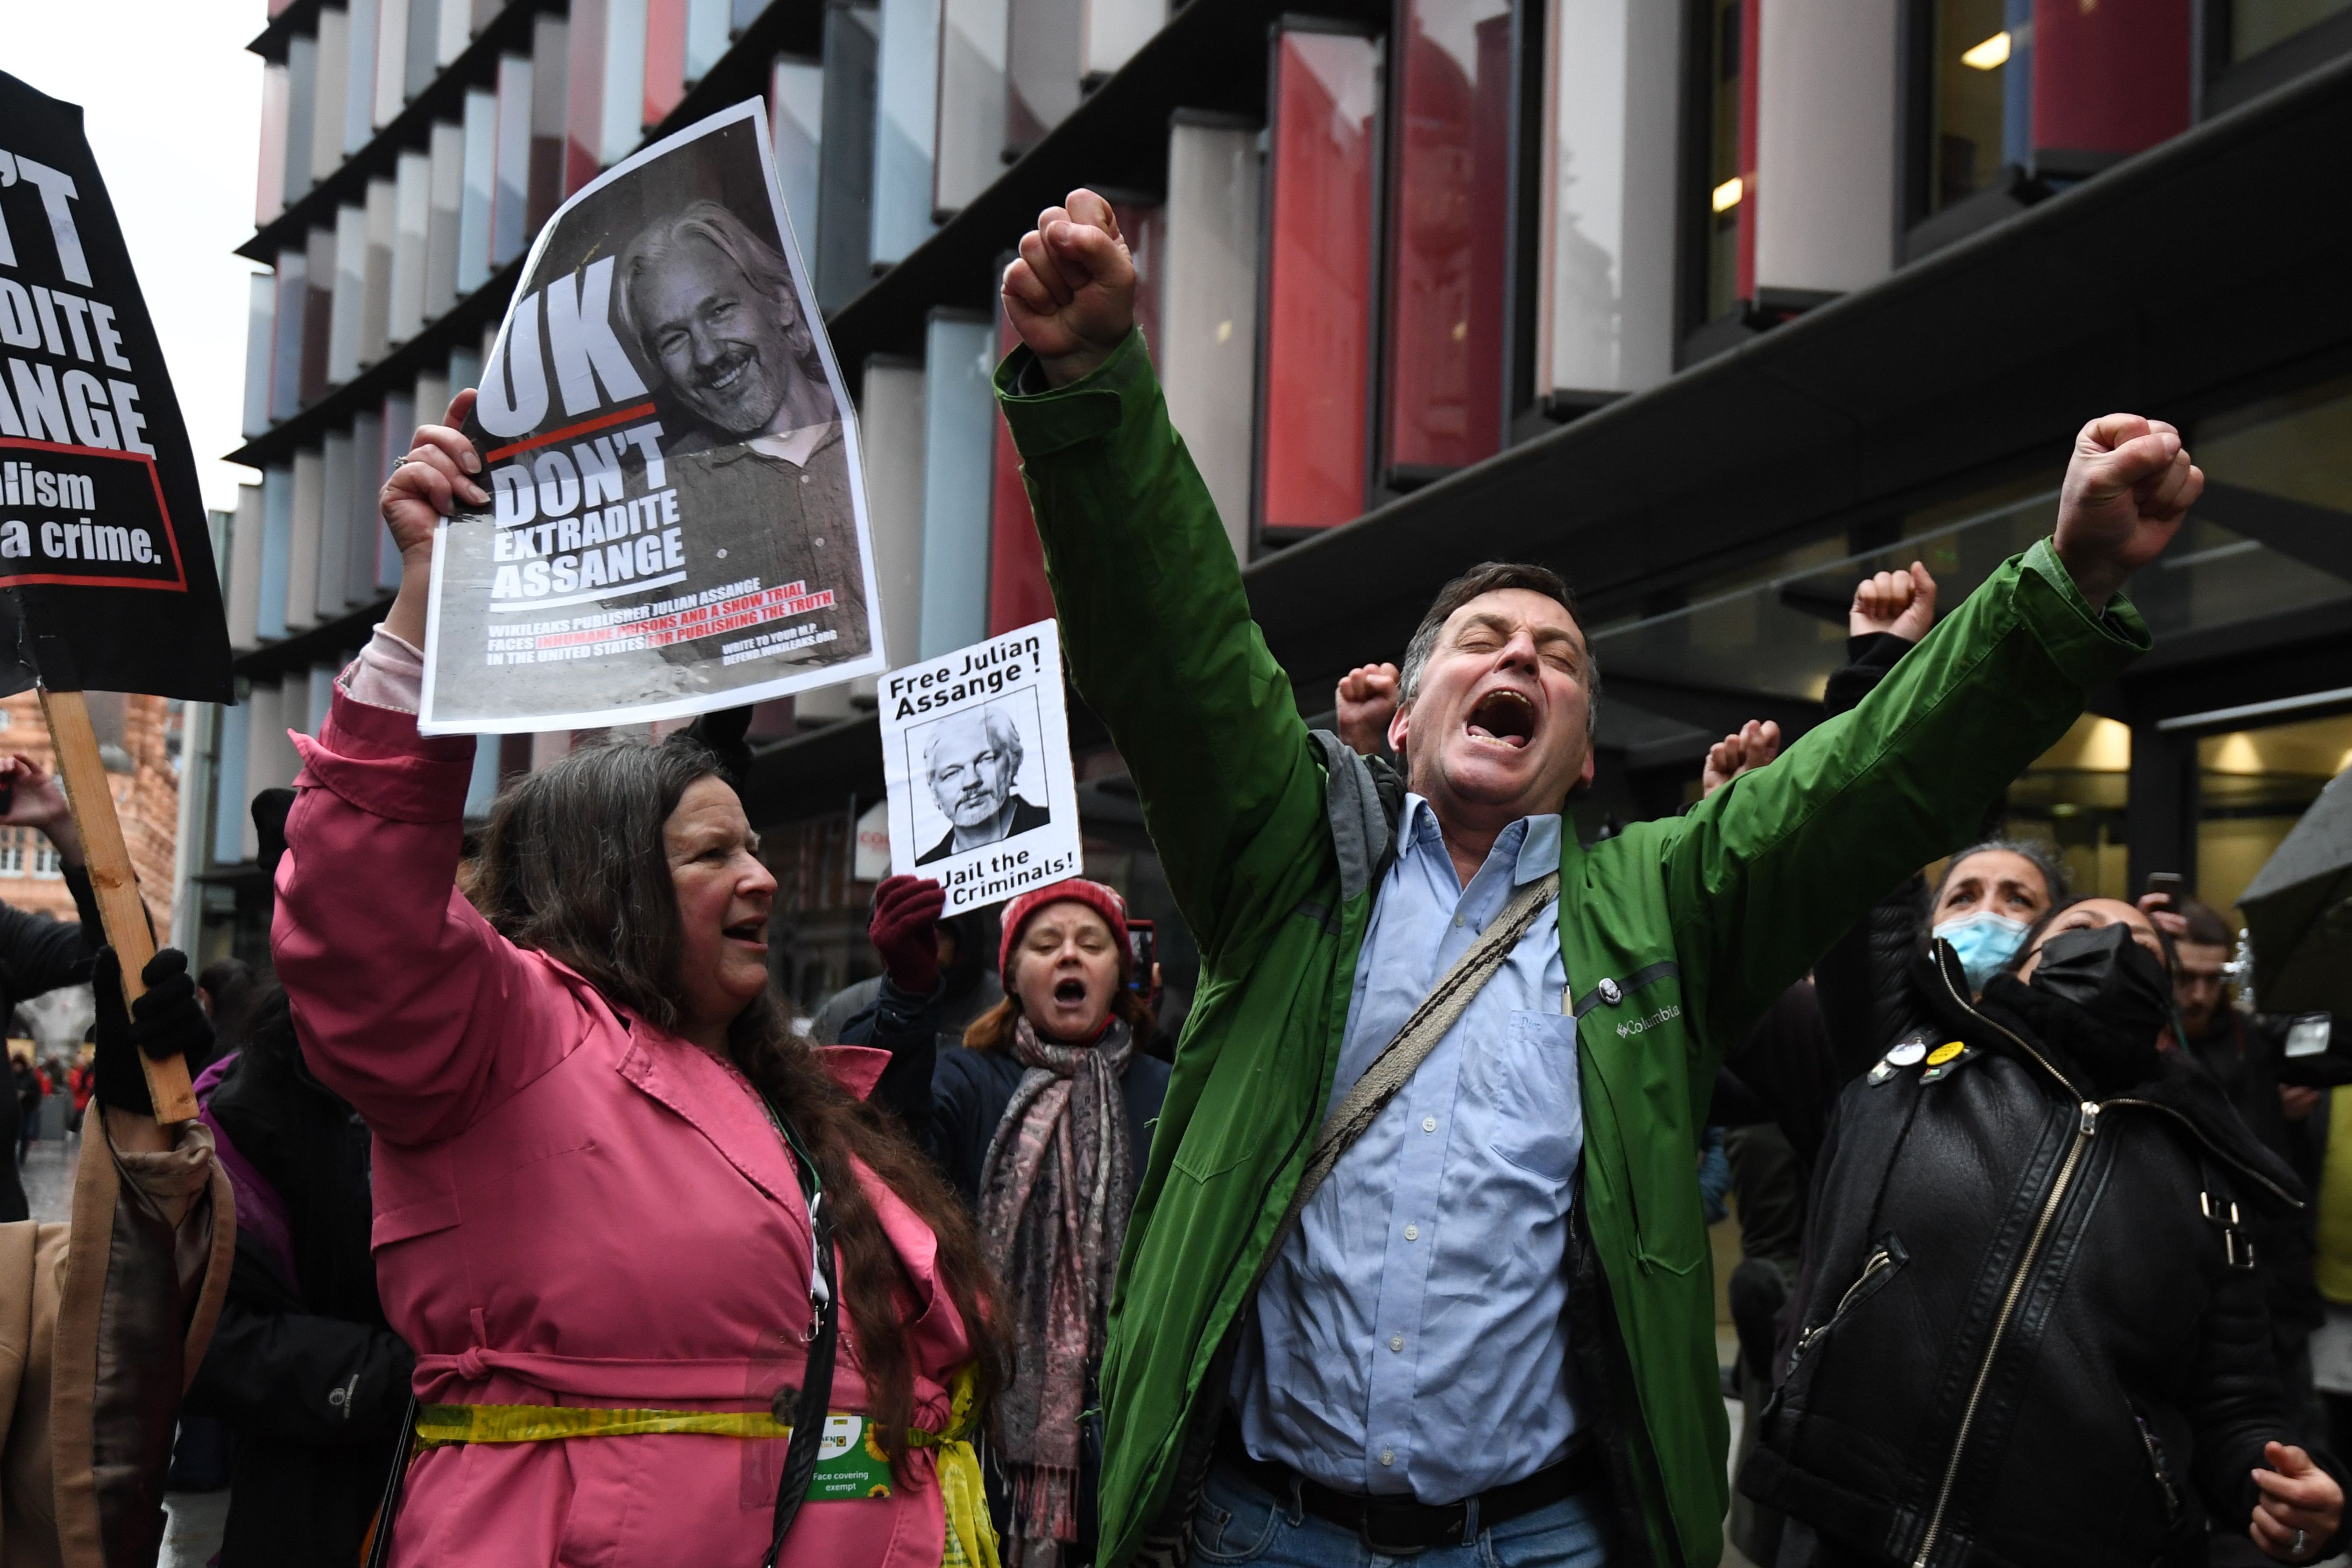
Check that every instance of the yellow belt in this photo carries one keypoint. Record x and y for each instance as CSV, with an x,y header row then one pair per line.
x,y
970,1538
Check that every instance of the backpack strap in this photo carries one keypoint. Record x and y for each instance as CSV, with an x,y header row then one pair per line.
x,y
1398,1060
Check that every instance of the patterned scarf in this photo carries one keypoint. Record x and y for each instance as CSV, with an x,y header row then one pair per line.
x,y
1054,1197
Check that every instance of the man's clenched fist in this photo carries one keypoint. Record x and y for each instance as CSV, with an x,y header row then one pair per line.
x,y
1071,296
1902,602
1366,700
2128,487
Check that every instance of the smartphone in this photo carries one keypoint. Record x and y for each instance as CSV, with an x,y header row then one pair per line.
x,y
1143,950
2168,883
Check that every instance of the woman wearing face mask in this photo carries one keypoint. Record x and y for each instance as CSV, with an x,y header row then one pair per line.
x,y
633,1227
2028,1329
1044,1121
1990,895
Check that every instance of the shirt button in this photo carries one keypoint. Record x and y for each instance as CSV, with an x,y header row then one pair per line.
x,y
1396,1342
1412,1233
1388,1455
1458,922
1429,1123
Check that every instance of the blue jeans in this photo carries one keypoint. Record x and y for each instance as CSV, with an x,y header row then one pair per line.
x,y
1239,1522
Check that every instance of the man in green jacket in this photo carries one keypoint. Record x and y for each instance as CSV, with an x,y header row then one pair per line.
x,y
1491,1328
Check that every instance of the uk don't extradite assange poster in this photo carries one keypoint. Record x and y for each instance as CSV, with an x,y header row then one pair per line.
x,y
105,564
677,512
976,758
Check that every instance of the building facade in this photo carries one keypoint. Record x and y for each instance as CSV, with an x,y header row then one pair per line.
x,y
1714,305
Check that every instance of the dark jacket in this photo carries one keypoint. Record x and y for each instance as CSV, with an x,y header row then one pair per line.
x,y
302,1369
2018,1337
38,955
970,1088
2245,1056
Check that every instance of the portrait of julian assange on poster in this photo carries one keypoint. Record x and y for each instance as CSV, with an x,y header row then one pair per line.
x,y
976,760
678,516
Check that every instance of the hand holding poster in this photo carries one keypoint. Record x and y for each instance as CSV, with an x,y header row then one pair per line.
x,y
678,513
976,754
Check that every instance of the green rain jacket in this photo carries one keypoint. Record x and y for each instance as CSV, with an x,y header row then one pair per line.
x,y
1676,935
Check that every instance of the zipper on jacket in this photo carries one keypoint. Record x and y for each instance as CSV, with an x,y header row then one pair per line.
x,y
2219,1152
1879,1261
2086,1127
2156,1463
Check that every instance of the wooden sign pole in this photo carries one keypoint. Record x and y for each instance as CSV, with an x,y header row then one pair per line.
x,y
119,908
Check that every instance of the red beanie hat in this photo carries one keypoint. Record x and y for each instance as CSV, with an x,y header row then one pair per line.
x,y
1104,901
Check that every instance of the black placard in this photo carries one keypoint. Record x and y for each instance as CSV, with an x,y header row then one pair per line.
x,y
102,540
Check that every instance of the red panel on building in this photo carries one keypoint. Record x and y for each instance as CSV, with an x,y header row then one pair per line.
x,y
1325,113
664,58
1017,594
2110,79
1448,237
583,118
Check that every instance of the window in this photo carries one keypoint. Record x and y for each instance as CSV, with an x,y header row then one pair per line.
x,y
44,857
2251,787
1980,87
2072,799
1725,179
2257,25
12,852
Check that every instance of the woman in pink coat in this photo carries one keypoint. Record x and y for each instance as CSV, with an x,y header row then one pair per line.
x,y
594,1134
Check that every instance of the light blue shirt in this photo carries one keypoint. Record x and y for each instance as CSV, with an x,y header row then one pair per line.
x,y
1409,1336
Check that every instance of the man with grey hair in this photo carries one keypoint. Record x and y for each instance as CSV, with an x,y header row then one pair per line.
x,y
759,439
1419,1267
970,762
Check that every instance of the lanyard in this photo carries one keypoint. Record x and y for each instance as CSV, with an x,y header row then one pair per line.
x,y
824,1306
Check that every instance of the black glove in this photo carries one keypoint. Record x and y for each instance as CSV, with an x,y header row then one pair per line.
x,y
166,1021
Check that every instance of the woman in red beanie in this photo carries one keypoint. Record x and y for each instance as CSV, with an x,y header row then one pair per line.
x,y
1043,1123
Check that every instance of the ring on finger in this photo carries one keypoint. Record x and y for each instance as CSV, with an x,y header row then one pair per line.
x,y
2296,1546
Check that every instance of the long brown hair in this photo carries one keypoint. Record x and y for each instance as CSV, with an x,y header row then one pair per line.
x,y
573,865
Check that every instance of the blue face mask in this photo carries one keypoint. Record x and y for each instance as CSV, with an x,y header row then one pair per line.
x,y
1985,942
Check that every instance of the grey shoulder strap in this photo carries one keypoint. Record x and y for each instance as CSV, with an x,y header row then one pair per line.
x,y
1403,1055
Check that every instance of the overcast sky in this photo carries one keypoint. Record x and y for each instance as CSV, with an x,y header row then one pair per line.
x,y
173,106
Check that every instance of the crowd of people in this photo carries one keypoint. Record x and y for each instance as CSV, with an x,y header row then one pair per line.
x,y
558,1242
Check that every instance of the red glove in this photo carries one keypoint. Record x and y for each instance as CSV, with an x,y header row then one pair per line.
x,y
904,931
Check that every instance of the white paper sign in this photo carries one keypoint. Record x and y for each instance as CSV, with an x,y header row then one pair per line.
x,y
678,516
976,753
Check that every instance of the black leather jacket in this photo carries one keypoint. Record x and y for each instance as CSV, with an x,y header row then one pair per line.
x,y
2027,1330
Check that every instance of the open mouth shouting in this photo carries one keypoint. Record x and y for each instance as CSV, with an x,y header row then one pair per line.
x,y
1503,718
1070,992
754,932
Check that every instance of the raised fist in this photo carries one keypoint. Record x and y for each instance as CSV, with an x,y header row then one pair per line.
x,y
431,480
1758,743
1902,602
1367,700
1071,295
2128,487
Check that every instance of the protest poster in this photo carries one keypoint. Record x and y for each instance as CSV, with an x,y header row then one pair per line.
x,y
104,555
976,756
678,514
